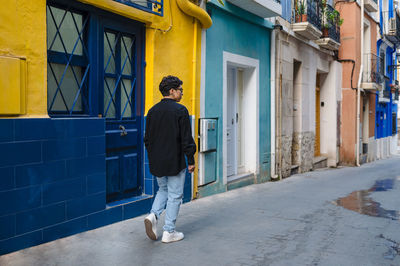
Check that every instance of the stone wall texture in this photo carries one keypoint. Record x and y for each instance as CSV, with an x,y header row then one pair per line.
x,y
303,150
286,155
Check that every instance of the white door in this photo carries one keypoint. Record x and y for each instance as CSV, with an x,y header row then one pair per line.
x,y
231,122
240,130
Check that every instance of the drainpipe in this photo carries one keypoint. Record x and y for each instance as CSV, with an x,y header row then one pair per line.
x,y
199,14
195,11
273,133
278,100
359,84
194,78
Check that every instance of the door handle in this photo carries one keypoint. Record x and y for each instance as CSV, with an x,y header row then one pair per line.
x,y
123,130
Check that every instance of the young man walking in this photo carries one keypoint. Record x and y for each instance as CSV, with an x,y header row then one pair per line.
x,y
168,139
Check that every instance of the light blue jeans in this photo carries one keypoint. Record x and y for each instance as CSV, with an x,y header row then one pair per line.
x,y
170,194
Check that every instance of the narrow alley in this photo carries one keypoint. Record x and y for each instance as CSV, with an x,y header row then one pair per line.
x,y
345,216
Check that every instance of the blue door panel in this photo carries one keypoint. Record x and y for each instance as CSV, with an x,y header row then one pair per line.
x,y
113,173
115,140
130,176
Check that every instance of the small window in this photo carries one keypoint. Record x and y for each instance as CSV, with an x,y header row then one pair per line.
x,y
68,62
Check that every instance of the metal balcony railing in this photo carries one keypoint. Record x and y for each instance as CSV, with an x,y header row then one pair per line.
x,y
371,73
314,14
391,26
151,6
312,10
334,29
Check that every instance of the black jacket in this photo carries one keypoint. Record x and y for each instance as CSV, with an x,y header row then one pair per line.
x,y
168,138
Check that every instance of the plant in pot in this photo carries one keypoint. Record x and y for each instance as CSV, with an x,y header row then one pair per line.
x,y
393,88
330,19
300,8
334,19
325,28
325,19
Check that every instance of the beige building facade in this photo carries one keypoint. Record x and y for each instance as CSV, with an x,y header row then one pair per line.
x,y
307,100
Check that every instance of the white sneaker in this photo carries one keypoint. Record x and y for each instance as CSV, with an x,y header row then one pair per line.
x,y
150,223
172,237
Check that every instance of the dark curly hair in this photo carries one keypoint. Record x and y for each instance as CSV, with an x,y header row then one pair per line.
x,y
169,82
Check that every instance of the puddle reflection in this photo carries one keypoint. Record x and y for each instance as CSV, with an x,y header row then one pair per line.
x,y
361,202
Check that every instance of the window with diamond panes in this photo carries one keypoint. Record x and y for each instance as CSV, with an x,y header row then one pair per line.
x,y
68,62
119,75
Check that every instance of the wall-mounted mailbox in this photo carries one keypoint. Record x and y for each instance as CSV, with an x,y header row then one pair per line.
x,y
208,134
13,75
208,150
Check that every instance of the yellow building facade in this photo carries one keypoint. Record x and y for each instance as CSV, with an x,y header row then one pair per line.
x,y
65,158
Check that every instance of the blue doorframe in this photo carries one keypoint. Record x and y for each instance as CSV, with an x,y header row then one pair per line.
x,y
121,58
124,124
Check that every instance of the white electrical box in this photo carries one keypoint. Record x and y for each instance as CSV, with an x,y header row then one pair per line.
x,y
208,135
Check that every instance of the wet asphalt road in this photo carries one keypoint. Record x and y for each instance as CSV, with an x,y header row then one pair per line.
x,y
346,216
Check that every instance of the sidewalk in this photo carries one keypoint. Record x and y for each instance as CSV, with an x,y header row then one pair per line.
x,y
290,222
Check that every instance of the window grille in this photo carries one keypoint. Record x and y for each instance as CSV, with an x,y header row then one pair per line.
x,y
119,75
68,62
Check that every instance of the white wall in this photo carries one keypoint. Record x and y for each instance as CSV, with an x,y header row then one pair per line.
x,y
330,94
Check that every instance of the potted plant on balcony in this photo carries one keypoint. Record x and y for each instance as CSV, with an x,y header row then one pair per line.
x,y
325,21
335,19
330,19
300,8
393,88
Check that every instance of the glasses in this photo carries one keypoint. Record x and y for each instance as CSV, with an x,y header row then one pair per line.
x,y
179,89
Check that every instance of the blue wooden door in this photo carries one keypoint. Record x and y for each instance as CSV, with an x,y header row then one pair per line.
x,y
122,101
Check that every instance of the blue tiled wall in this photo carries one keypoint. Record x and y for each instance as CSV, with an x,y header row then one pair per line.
x,y
52,176
53,181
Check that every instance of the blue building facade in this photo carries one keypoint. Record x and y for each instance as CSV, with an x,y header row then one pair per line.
x,y
387,98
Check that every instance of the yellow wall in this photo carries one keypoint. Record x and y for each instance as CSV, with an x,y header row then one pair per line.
x,y
169,47
23,34
173,55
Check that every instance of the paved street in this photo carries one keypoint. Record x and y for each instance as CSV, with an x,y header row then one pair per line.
x,y
297,221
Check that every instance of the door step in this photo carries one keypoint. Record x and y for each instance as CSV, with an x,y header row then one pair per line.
x,y
363,158
320,162
294,169
239,176
241,180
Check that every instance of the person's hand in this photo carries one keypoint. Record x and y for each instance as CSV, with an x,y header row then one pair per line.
x,y
191,168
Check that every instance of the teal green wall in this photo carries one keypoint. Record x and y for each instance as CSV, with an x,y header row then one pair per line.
x,y
239,32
